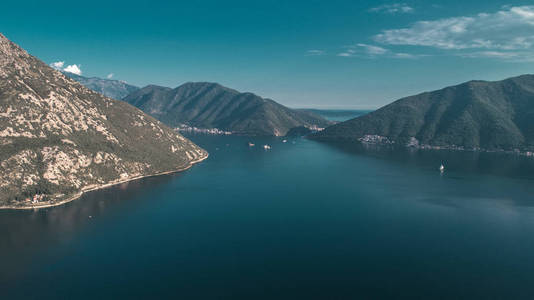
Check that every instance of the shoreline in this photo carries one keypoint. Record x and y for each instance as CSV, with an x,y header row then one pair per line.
x,y
103,186
380,141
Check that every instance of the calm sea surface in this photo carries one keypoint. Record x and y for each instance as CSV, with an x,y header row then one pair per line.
x,y
303,220
339,115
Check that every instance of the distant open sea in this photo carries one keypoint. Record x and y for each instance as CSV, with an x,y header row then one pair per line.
x,y
304,220
339,115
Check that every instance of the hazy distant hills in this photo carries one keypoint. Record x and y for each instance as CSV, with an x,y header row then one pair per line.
x,y
210,105
475,114
115,89
58,138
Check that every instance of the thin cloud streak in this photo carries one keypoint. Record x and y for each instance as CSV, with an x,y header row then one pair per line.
x,y
505,34
395,8
315,52
372,51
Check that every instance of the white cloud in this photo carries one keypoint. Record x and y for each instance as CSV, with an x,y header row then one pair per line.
x,y
492,34
347,53
57,65
497,54
394,8
406,55
75,69
315,52
363,50
373,51
110,75
513,56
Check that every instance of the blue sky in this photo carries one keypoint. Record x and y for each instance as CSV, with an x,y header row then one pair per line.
x,y
332,54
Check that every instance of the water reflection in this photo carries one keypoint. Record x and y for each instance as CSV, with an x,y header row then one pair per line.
x,y
337,219
456,162
25,234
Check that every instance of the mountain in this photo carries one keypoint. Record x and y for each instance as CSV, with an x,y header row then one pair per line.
x,y
59,139
210,105
477,114
115,89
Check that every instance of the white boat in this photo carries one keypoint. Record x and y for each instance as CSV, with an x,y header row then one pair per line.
x,y
284,141
250,144
266,147
441,168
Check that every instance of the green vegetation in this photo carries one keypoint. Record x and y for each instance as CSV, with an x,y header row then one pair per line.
x,y
476,114
58,138
210,105
298,131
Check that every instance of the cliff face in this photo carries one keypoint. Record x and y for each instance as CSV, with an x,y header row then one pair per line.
x,y
477,114
58,138
210,105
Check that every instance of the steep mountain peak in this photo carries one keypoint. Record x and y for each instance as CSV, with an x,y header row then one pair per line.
x,y
155,87
11,55
200,84
204,85
211,105
3,39
59,139
8,48
493,115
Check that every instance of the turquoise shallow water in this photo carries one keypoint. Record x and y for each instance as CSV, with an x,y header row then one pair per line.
x,y
303,220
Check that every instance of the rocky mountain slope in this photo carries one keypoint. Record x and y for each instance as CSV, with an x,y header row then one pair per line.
x,y
477,114
115,89
210,105
58,138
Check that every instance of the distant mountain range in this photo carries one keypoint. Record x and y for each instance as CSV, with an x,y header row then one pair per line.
x,y
59,139
115,89
211,105
474,115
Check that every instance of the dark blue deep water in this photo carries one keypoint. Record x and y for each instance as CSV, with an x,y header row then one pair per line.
x,y
304,220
